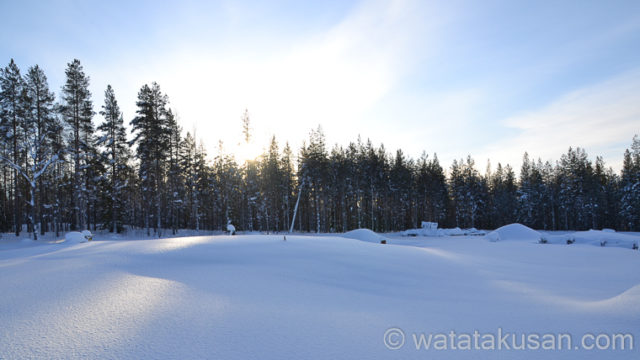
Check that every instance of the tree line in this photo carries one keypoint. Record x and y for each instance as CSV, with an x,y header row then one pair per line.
x,y
60,172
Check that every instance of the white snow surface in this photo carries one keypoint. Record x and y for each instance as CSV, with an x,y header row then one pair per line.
x,y
310,297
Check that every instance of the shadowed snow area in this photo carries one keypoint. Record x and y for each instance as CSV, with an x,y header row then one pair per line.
x,y
311,297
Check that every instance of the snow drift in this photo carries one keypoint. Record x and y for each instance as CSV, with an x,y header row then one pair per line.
x,y
514,232
604,237
607,237
364,235
75,237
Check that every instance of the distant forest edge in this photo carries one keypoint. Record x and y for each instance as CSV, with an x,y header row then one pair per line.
x,y
59,172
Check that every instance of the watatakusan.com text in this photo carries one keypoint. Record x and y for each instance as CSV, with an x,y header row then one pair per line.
x,y
395,339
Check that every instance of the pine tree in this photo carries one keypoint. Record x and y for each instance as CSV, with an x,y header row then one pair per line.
x,y
42,129
468,192
116,155
355,181
57,183
227,180
630,187
313,171
431,189
202,186
77,111
270,187
287,183
37,102
400,188
339,173
251,191
246,126
575,178
176,177
12,101
531,194
503,194
193,166
152,136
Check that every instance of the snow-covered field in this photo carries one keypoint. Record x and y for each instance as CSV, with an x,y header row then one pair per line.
x,y
310,297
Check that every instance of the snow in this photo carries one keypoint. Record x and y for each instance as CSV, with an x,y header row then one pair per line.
x,y
514,232
605,237
552,238
442,232
74,237
364,235
429,225
593,237
311,297
87,234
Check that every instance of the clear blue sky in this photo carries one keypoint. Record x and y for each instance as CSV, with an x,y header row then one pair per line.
x,y
486,78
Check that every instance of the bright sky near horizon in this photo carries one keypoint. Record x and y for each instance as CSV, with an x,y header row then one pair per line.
x,y
488,78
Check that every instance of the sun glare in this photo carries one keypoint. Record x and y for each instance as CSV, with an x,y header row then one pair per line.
x,y
244,152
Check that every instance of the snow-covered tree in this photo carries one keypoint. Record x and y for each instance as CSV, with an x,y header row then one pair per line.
x,y
37,127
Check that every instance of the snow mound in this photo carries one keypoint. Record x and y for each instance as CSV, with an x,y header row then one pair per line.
x,y
626,300
605,238
74,237
364,235
514,232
